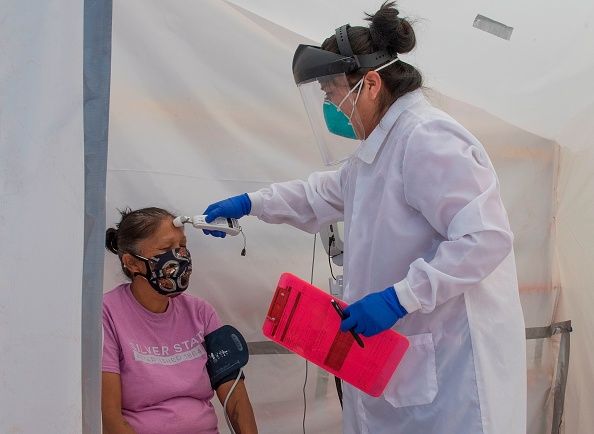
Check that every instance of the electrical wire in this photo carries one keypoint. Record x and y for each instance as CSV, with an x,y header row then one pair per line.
x,y
330,265
331,240
243,251
227,399
313,259
304,398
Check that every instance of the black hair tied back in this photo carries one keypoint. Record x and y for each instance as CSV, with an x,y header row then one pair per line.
x,y
111,240
390,32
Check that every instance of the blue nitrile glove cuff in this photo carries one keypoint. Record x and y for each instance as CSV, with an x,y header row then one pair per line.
x,y
389,294
246,203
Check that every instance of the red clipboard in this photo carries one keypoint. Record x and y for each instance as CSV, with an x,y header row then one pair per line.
x,y
302,319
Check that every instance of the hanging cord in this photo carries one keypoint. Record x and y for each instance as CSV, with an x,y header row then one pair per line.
x,y
313,259
304,398
338,383
331,240
227,399
243,251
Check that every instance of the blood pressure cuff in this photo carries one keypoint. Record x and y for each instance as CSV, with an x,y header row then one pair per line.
x,y
227,353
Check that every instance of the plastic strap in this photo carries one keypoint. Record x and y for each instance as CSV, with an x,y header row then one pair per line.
x,y
374,59
363,60
342,39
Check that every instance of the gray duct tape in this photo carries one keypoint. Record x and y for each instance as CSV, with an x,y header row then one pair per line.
x,y
96,83
493,27
548,331
266,347
560,381
561,378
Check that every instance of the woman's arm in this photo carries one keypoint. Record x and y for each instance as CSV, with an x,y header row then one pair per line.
x,y
306,205
449,179
111,405
239,408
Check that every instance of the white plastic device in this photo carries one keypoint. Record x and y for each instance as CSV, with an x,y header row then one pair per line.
x,y
227,225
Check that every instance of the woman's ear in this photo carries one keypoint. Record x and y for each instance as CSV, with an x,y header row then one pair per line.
x,y
373,84
132,264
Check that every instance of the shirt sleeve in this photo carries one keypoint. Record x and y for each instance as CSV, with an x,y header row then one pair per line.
x,y
112,352
450,180
306,205
212,321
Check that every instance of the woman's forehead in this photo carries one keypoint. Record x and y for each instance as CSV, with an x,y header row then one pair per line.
x,y
167,232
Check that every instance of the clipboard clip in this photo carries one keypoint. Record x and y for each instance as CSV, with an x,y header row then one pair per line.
x,y
277,307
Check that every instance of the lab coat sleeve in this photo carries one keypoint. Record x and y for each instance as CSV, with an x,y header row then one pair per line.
x,y
307,205
450,180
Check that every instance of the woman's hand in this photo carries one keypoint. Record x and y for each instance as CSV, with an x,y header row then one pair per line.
x,y
111,405
239,408
374,313
235,207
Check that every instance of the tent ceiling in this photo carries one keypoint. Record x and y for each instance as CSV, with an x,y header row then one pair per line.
x,y
535,81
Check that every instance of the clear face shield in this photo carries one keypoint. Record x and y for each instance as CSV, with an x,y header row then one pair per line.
x,y
331,105
329,99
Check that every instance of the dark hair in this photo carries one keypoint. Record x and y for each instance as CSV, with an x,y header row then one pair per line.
x,y
133,227
387,31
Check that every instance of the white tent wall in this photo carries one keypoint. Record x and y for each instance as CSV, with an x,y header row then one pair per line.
x,y
41,215
203,106
575,250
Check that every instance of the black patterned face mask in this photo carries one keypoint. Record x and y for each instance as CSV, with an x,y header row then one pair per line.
x,y
169,272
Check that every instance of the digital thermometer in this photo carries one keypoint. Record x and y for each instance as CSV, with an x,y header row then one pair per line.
x,y
227,225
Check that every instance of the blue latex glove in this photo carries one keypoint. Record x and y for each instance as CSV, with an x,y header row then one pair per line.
x,y
235,207
374,313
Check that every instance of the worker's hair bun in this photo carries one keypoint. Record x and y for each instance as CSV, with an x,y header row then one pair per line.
x,y
111,240
390,32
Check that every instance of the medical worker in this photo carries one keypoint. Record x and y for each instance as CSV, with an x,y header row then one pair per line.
x,y
428,246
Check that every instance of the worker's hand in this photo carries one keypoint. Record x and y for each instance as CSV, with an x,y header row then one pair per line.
x,y
374,313
235,207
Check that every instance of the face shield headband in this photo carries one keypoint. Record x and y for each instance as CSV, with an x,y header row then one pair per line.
x,y
311,62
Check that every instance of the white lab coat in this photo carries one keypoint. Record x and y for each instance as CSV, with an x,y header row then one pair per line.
x,y
422,211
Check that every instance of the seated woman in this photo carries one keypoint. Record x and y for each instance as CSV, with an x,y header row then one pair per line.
x,y
154,375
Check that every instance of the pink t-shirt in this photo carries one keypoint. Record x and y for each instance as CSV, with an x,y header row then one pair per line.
x,y
161,361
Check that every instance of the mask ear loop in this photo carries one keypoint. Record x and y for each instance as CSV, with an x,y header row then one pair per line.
x,y
360,85
146,261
